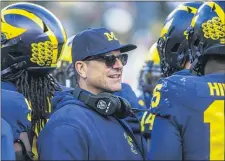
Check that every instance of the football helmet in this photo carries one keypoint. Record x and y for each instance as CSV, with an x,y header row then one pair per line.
x,y
172,44
151,71
32,38
206,34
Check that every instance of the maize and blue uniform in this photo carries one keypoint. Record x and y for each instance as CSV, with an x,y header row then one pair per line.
x,y
14,109
76,132
184,72
147,119
7,148
189,122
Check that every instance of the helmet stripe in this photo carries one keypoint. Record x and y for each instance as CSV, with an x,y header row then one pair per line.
x,y
29,15
194,20
63,32
67,51
185,8
65,38
153,54
40,23
165,28
219,11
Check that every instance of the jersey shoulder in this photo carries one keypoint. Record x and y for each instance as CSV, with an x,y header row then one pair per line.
x,y
15,110
178,93
171,91
14,99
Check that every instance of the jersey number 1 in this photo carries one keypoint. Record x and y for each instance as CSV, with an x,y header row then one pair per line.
x,y
214,115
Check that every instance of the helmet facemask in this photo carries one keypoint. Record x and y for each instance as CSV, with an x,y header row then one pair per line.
x,y
173,59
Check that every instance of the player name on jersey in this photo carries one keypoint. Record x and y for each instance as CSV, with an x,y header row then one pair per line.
x,y
216,89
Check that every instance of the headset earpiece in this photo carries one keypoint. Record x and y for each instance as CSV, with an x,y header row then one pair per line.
x,y
124,109
104,103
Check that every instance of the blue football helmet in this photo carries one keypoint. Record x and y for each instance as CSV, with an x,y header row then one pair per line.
x,y
65,71
206,34
172,44
32,38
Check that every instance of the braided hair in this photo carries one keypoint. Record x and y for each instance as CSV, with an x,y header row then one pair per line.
x,y
37,88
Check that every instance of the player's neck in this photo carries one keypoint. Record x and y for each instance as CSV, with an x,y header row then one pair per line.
x,y
187,65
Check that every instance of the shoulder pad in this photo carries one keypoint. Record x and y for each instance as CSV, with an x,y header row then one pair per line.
x,y
170,92
15,111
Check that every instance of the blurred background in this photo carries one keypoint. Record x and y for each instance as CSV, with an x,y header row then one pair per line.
x,y
132,22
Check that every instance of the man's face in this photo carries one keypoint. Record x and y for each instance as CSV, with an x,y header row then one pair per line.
x,y
101,77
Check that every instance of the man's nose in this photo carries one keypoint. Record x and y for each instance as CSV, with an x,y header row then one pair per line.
x,y
118,64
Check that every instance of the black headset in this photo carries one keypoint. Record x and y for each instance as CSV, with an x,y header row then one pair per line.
x,y
104,103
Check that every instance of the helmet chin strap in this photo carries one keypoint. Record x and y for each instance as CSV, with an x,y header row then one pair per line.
x,y
16,66
7,70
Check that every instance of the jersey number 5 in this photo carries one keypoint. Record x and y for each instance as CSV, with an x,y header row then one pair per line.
x,y
148,118
214,115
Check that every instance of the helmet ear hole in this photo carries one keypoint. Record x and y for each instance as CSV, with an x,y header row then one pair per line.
x,y
196,43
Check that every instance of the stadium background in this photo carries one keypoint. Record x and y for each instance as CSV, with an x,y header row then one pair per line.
x,y
132,22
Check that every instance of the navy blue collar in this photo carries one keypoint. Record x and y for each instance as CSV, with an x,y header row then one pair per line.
x,y
8,86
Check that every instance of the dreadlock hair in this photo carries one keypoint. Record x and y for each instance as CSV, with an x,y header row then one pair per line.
x,y
38,89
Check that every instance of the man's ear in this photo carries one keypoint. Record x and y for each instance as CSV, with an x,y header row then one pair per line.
x,y
81,68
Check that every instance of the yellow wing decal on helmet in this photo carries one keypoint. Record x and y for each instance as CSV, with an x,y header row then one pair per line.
x,y
11,31
166,27
219,11
40,23
184,8
66,52
153,54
